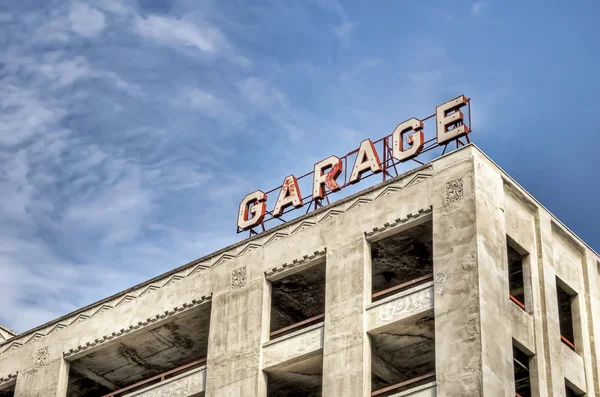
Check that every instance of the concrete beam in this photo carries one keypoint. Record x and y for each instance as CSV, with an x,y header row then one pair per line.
x,y
93,377
385,371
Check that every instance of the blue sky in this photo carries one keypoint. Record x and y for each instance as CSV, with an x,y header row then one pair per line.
x,y
130,130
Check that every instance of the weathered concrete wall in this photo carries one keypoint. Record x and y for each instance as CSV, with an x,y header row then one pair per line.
x,y
400,306
48,380
346,355
474,207
553,252
304,343
492,264
523,331
456,309
521,226
235,342
592,298
184,385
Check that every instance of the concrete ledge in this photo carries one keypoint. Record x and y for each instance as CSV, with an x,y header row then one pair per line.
x,y
400,224
186,384
295,346
7,380
296,265
574,370
522,329
398,307
427,390
154,321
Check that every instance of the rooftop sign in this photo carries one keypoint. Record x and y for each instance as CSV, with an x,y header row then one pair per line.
x,y
335,173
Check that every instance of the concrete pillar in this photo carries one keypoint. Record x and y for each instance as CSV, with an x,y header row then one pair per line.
x,y
346,355
235,338
586,337
456,309
472,312
537,365
551,327
492,265
48,380
592,279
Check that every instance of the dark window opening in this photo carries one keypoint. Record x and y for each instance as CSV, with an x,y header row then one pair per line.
x,y
521,370
516,278
565,317
302,379
570,392
402,260
403,356
297,301
8,391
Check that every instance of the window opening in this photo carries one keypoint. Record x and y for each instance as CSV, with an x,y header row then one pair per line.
x,y
565,317
570,392
516,277
403,356
402,260
301,379
522,375
297,301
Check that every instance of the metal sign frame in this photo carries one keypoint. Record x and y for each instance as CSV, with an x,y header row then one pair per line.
x,y
387,163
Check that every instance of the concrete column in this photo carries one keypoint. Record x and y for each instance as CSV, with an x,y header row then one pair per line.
x,y
537,365
472,312
456,309
49,380
592,280
551,327
492,265
346,355
586,337
234,349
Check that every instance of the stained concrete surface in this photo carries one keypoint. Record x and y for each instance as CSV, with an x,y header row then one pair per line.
x,y
147,354
471,217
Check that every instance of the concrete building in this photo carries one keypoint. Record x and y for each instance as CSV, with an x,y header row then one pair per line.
x,y
449,280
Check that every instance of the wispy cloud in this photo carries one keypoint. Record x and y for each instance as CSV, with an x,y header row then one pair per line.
x,y
262,94
184,35
24,115
178,33
345,29
476,7
85,20
355,71
129,133
210,106
266,98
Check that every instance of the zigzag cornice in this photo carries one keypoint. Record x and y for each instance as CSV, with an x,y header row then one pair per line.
x,y
223,255
398,221
297,262
141,324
